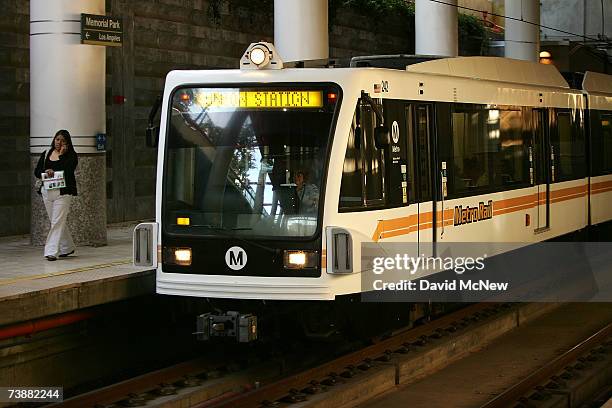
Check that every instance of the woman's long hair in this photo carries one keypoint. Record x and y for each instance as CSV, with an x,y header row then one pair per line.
x,y
67,138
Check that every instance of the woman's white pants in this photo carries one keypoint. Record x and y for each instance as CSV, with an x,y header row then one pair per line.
x,y
59,240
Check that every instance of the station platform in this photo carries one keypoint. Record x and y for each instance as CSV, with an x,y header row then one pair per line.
x,y
32,287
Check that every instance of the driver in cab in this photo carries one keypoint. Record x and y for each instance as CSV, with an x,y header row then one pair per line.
x,y
307,194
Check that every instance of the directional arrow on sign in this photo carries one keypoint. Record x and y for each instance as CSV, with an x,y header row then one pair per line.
x,y
87,36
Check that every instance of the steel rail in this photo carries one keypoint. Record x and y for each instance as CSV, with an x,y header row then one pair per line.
x,y
140,384
242,392
511,395
359,359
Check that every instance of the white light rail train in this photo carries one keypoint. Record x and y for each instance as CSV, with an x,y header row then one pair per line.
x,y
270,178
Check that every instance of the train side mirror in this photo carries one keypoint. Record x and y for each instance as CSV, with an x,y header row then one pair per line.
x,y
152,137
382,137
152,132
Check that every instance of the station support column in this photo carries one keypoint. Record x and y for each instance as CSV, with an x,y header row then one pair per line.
x,y
67,91
436,28
301,29
522,38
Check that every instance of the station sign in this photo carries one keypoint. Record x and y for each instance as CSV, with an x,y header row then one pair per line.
x,y
101,30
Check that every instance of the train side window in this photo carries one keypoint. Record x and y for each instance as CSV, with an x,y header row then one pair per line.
x,y
471,144
423,155
489,150
606,143
351,188
373,160
568,146
363,169
444,144
511,158
564,148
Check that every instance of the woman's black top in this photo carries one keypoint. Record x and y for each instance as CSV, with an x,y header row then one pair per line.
x,y
67,162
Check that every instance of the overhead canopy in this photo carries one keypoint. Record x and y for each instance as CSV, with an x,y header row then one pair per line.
x,y
494,69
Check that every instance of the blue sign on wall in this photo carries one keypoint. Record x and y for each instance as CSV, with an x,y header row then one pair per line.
x,y
101,141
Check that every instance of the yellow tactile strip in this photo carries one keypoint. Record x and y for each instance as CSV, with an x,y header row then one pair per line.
x,y
4,282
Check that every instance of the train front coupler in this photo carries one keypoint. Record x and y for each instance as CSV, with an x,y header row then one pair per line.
x,y
241,327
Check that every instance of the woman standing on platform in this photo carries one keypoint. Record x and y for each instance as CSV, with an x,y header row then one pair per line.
x,y
60,157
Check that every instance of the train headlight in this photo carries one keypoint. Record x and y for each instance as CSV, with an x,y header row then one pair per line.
x,y
296,258
300,259
178,256
259,55
183,255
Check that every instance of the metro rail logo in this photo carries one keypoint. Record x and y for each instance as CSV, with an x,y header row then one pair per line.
x,y
236,258
469,214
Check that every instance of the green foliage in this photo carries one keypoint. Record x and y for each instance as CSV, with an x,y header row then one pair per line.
x,y
473,36
470,26
243,160
379,8
472,33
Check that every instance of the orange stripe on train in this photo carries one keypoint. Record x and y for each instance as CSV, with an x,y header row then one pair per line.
x,y
405,225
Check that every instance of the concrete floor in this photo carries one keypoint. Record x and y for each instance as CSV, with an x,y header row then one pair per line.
x,y
32,287
484,374
23,266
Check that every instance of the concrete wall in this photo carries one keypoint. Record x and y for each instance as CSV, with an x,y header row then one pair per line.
x,y
582,17
161,35
14,117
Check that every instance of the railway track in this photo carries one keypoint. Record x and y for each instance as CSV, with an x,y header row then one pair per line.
x,y
413,354
566,381
230,369
196,380
350,378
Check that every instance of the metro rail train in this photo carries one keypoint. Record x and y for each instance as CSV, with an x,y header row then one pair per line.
x,y
270,178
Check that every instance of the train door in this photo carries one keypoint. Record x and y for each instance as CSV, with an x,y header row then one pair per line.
x,y
542,166
421,118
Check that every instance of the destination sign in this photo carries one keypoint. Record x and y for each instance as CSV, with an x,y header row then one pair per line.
x,y
260,99
101,30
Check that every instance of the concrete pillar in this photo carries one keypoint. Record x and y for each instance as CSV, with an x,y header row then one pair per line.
x,y
436,28
301,29
67,91
522,39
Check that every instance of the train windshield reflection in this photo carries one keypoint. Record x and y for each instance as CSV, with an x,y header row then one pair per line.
x,y
245,170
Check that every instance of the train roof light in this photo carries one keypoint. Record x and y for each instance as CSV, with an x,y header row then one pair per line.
x,y
258,56
546,58
261,55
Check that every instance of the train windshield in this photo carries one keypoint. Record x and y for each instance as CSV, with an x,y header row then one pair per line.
x,y
247,162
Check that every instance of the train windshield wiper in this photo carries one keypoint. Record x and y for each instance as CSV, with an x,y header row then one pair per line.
x,y
215,228
223,233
